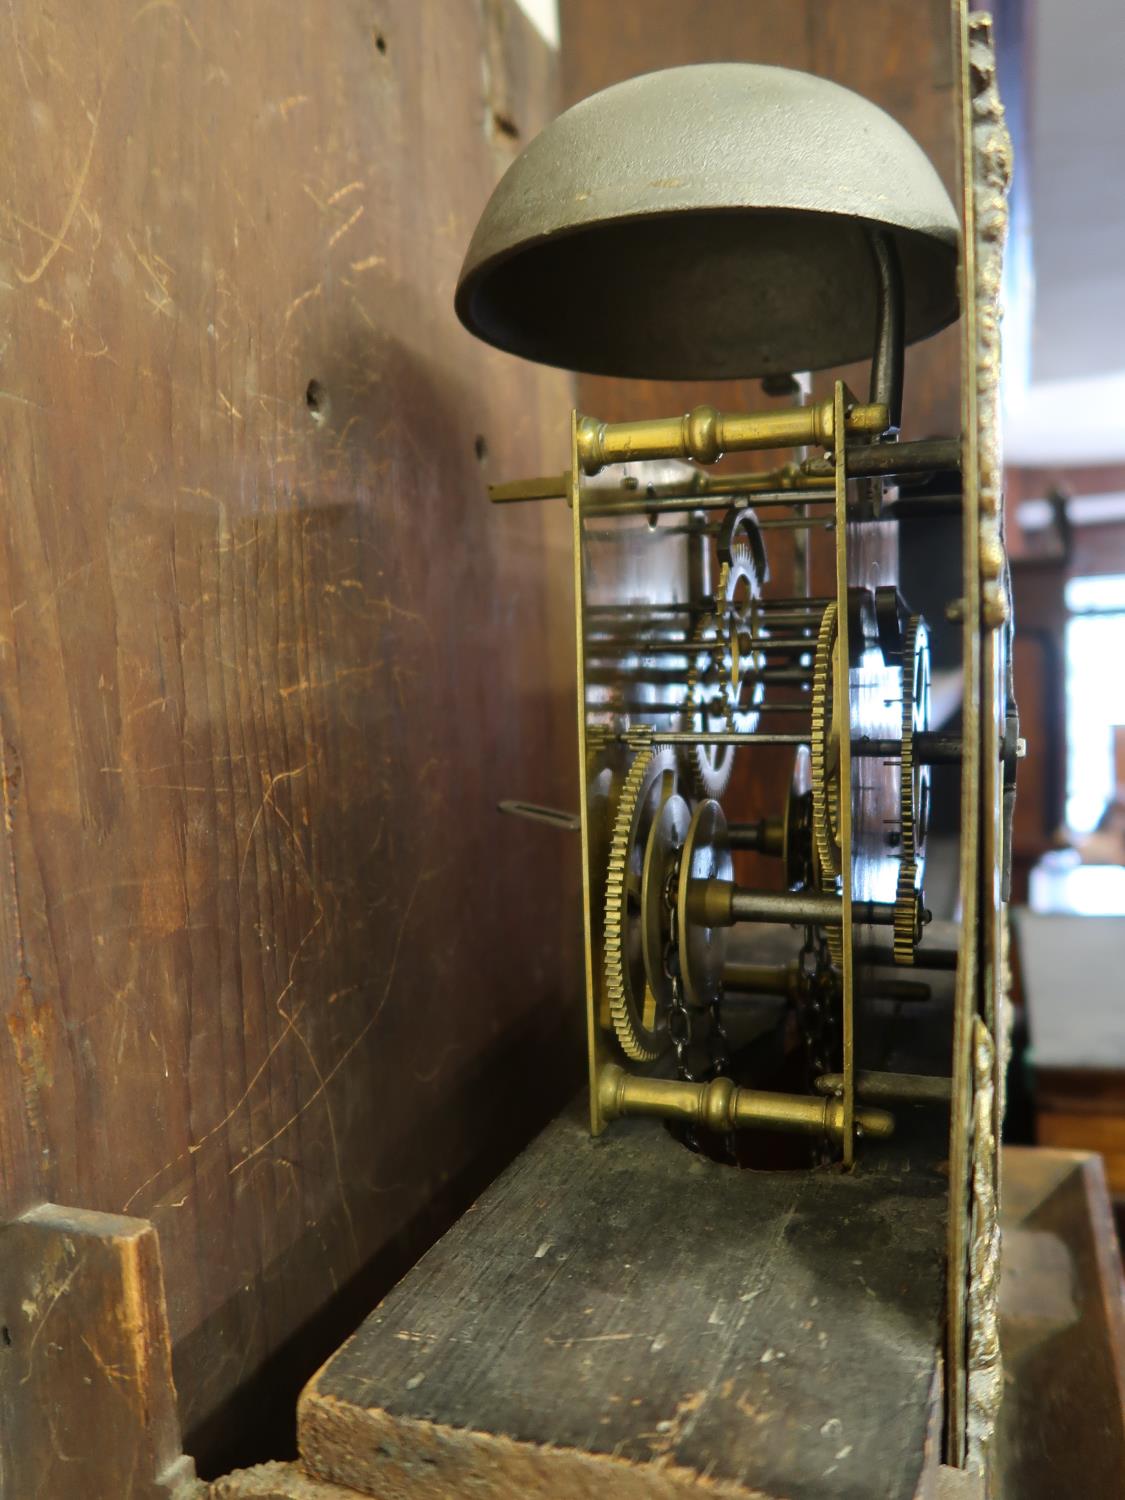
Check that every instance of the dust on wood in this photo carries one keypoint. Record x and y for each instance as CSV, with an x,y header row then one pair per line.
x,y
621,1312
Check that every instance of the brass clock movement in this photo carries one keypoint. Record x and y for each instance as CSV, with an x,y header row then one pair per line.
x,y
742,631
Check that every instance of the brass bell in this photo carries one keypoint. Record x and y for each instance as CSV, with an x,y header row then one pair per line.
x,y
712,221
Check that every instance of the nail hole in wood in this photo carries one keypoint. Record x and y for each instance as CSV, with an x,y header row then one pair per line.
x,y
380,44
6,1336
316,399
480,448
504,125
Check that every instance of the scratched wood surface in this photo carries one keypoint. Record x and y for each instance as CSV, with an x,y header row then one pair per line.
x,y
87,1405
272,972
777,1335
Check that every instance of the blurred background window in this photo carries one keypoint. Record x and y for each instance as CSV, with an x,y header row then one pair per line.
x,y
1095,692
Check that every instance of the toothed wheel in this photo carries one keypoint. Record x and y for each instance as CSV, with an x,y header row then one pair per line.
x,y
910,917
715,693
914,790
637,1008
826,751
915,785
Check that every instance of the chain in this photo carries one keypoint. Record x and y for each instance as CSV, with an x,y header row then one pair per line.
x,y
680,1026
812,995
717,1040
815,1006
679,1017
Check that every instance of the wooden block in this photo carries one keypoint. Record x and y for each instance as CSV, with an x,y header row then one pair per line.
x,y
1062,1330
87,1405
1080,1131
619,1317
957,1484
277,1482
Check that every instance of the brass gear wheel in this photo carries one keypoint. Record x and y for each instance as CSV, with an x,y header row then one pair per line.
x,y
634,1006
914,790
908,913
826,752
914,793
709,766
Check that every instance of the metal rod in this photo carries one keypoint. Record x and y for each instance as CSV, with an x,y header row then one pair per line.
x,y
887,362
772,906
869,460
797,601
749,642
609,675
554,817
705,434
799,523
930,749
635,646
637,505
671,608
725,737
766,836
802,619
721,1106
714,710
847,911
759,979
542,487
924,958
752,484
717,492
721,903
906,1088
608,645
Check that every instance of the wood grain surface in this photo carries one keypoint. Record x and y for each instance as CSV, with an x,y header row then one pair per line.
x,y
1061,1433
277,1481
87,1405
273,973
619,1317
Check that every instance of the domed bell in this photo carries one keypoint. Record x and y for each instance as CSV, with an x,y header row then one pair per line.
x,y
713,221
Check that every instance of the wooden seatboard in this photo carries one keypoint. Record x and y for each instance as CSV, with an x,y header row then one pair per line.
x,y
620,1312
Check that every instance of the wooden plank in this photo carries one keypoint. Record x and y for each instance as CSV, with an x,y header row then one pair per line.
x,y
87,1405
619,1313
272,972
1061,1434
1087,1131
277,1481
